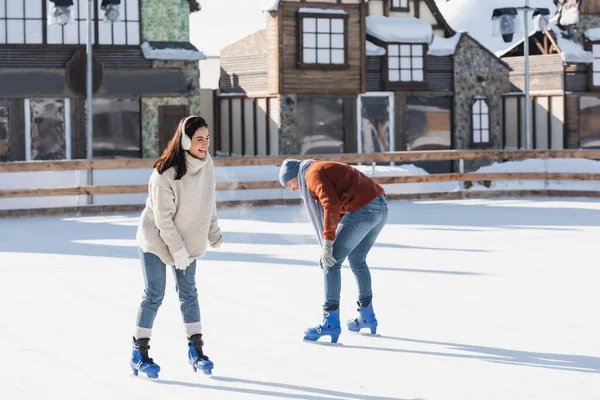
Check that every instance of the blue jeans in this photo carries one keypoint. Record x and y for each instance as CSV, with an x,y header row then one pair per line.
x,y
355,235
155,279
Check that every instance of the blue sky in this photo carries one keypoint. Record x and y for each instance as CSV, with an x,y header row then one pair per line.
x,y
221,22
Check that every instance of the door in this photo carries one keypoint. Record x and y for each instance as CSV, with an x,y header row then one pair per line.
x,y
168,121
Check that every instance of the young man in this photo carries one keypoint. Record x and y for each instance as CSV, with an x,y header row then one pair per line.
x,y
347,210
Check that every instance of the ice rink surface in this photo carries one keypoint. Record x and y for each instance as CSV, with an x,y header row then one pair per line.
x,y
476,299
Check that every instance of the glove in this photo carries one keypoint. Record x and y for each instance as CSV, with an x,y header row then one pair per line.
x,y
218,243
182,259
327,260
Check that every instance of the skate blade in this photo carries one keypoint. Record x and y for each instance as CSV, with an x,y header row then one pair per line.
x,y
322,343
365,333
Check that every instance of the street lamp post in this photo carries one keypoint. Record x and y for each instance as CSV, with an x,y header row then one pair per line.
x,y
507,31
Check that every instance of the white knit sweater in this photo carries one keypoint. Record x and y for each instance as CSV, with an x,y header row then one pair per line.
x,y
181,212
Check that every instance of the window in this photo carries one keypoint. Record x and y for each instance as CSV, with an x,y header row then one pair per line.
x,y
21,22
117,132
596,65
481,122
24,22
429,127
406,63
399,5
3,131
589,122
48,139
320,125
74,32
126,31
323,40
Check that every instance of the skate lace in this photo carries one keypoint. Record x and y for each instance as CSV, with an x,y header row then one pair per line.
x,y
326,314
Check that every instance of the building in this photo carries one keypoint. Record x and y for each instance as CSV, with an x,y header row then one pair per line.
x,y
564,73
145,78
358,76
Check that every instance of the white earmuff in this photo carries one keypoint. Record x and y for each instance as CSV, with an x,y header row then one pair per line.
x,y
186,142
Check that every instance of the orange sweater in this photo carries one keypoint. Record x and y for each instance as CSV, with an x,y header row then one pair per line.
x,y
340,188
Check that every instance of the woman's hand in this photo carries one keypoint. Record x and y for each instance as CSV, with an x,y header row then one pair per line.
x,y
218,243
182,259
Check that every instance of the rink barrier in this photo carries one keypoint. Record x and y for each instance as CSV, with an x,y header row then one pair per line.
x,y
382,180
400,157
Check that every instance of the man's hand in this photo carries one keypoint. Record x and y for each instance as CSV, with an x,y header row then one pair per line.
x,y
327,260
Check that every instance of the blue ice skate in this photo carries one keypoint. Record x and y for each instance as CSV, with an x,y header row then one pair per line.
x,y
196,357
140,362
366,319
329,327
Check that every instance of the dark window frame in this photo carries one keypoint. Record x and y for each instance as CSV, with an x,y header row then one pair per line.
x,y
400,84
97,20
300,41
481,143
400,7
590,46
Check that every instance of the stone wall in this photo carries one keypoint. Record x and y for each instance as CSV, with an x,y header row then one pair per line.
x,y
473,66
165,20
473,63
289,142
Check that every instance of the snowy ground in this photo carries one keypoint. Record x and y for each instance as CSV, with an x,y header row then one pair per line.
x,y
477,299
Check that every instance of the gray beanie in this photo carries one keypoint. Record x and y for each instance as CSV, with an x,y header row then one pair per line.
x,y
289,170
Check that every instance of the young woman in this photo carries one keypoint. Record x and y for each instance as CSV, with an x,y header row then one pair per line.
x,y
348,211
179,220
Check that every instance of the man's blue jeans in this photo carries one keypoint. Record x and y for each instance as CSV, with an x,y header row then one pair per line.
x,y
356,233
155,279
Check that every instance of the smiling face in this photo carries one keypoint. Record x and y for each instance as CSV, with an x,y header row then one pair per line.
x,y
200,143
293,184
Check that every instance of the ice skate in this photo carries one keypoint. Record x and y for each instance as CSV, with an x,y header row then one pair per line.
x,y
140,362
366,319
196,356
329,327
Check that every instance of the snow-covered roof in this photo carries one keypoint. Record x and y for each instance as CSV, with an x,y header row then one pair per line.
x,y
311,10
593,34
569,50
271,5
399,29
475,18
171,51
374,50
443,46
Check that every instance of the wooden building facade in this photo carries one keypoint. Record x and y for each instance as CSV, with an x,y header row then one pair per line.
x,y
145,79
357,76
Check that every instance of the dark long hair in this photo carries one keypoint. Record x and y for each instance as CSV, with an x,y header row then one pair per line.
x,y
174,155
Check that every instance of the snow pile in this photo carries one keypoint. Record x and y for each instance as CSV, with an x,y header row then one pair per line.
x,y
309,10
552,165
593,34
374,50
443,46
475,18
399,29
171,53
